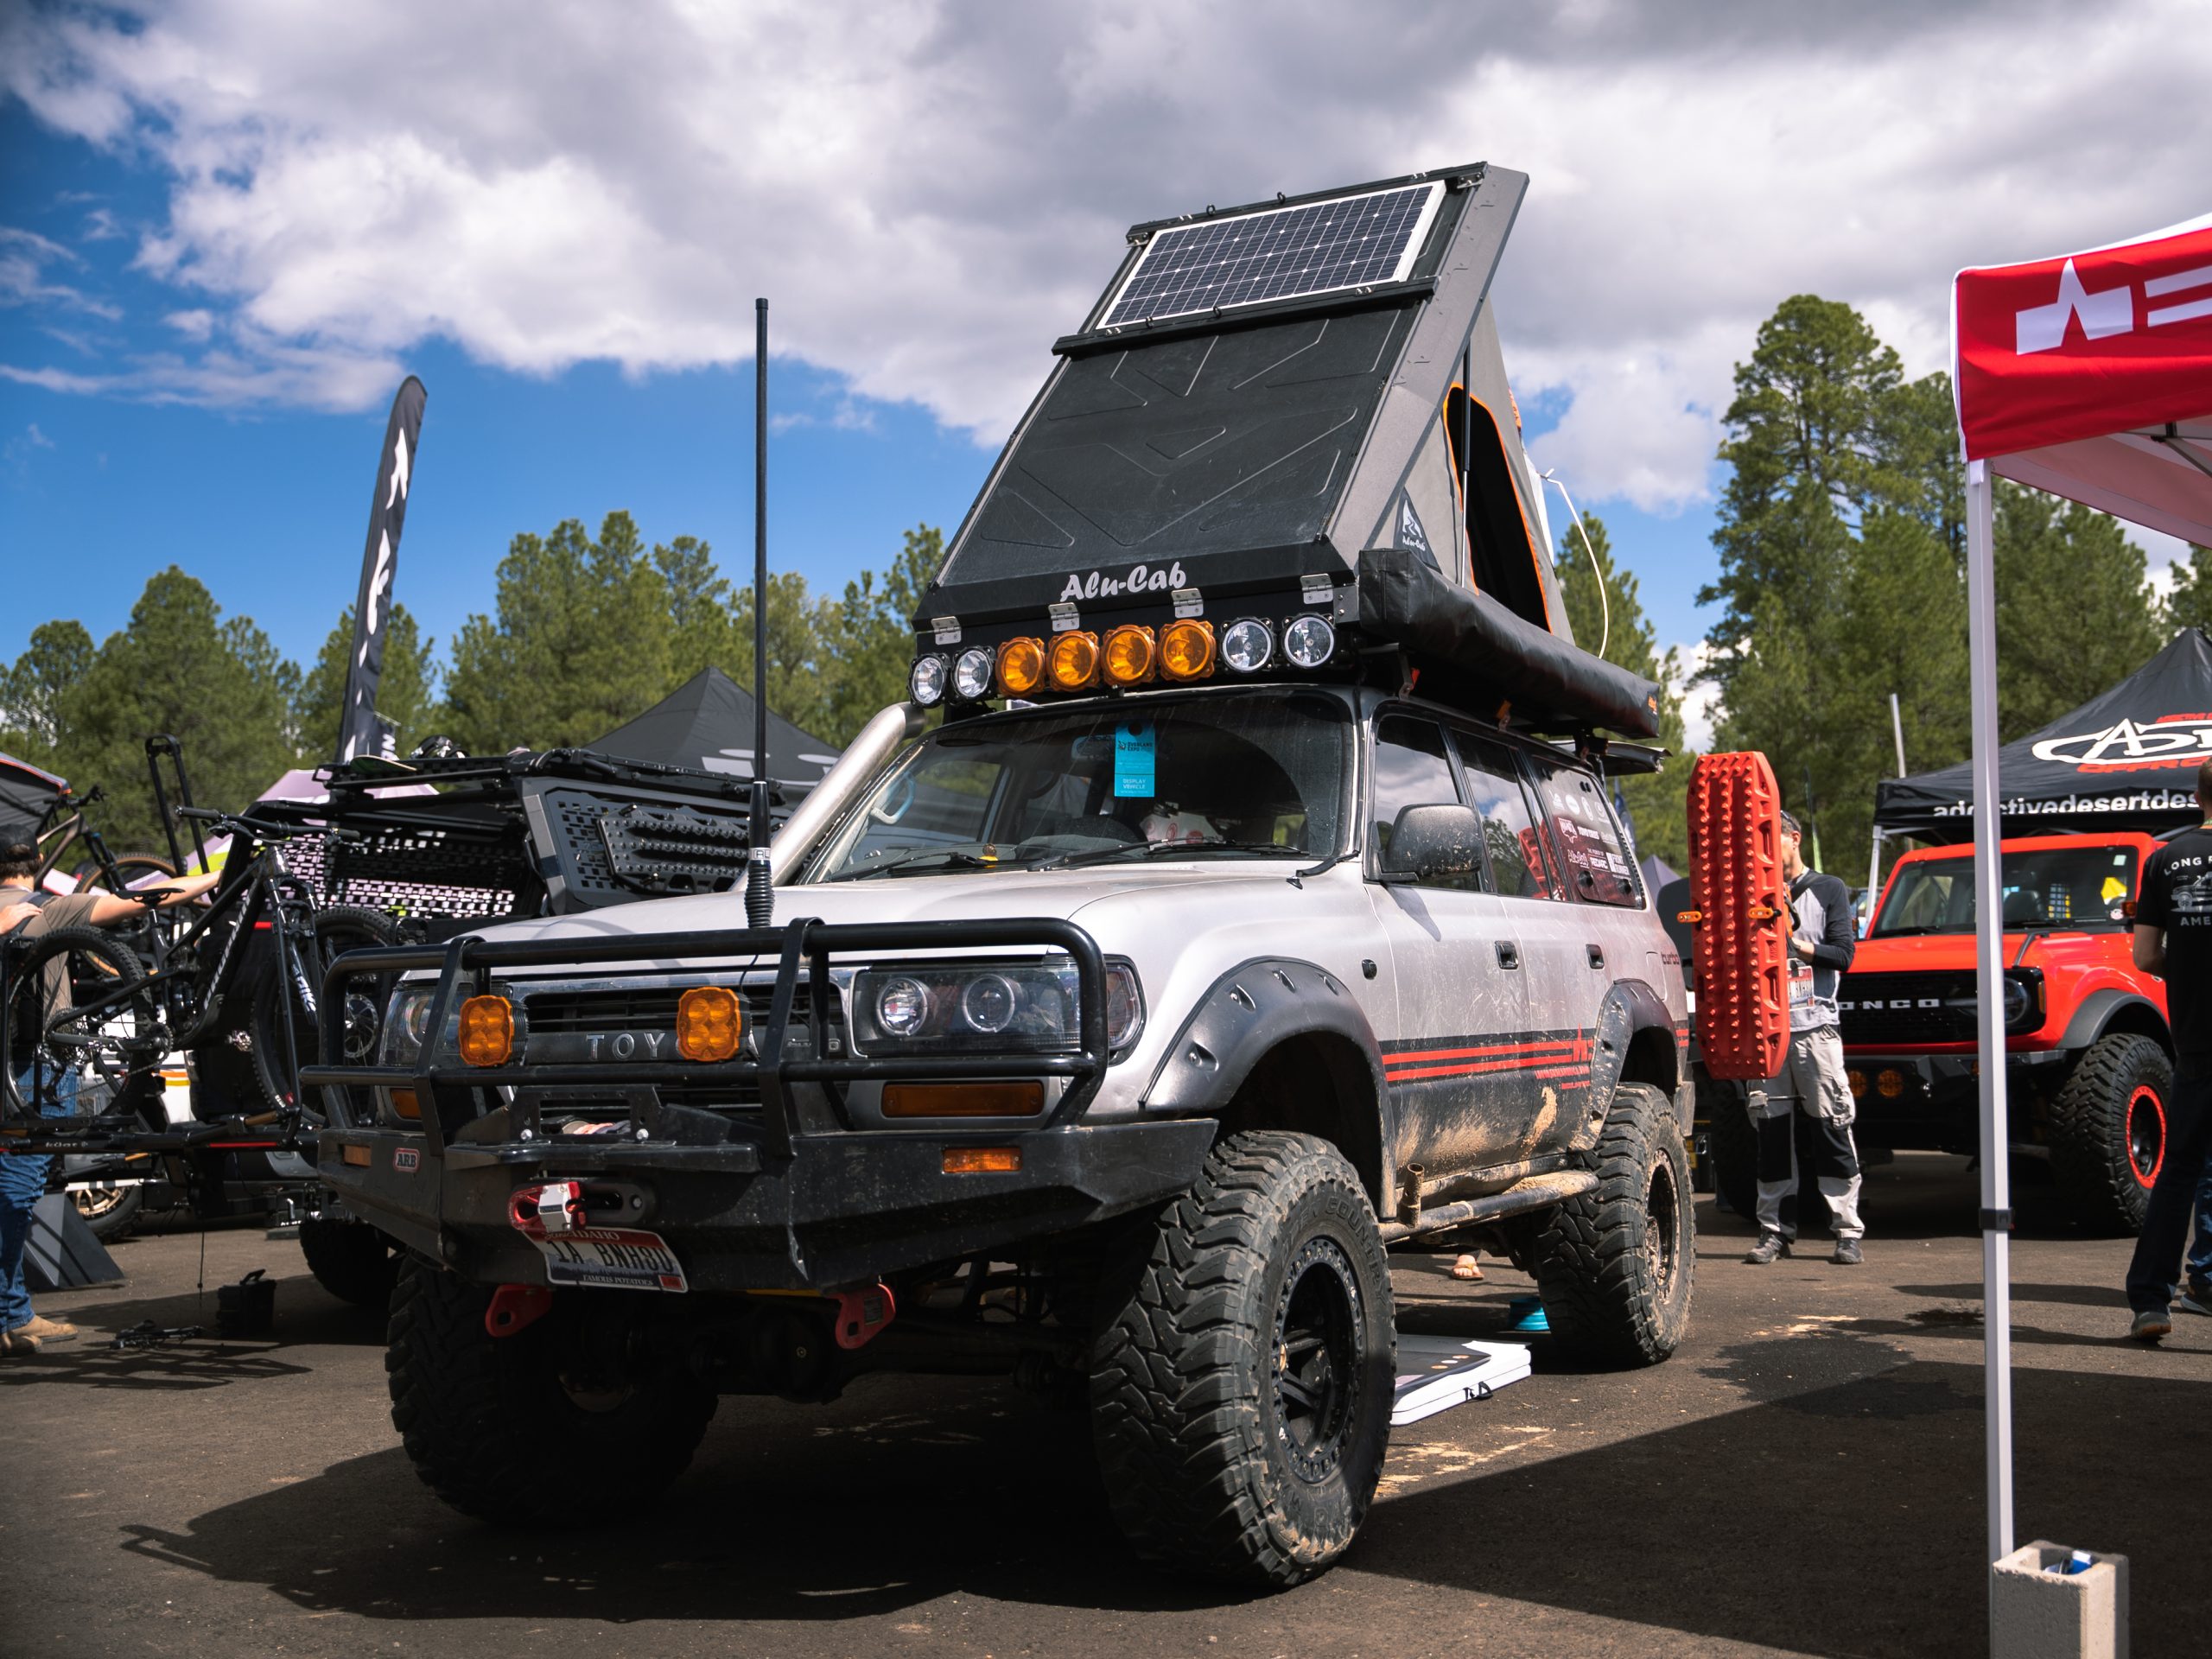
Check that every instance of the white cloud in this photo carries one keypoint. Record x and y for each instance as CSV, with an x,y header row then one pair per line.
x,y
932,193
194,325
1701,698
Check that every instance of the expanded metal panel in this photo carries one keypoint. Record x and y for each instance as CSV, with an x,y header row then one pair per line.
x,y
413,872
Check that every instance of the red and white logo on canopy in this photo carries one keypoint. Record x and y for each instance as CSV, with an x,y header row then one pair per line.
x,y
2116,340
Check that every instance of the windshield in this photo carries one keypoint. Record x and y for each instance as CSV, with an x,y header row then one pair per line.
x,y
1256,775
2054,887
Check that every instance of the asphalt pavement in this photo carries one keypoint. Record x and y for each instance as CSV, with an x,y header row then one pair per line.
x,y
1804,1476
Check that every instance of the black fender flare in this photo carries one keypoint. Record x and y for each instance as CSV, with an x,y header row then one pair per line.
x,y
2095,1014
1631,1005
1249,1010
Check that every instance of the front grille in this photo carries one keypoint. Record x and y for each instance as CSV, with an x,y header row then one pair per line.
x,y
1905,1010
652,1008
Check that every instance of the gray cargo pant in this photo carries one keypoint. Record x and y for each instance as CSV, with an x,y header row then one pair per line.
x,y
1813,1082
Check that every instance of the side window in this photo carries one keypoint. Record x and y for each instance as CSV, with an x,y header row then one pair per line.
x,y
1510,832
1410,770
1598,868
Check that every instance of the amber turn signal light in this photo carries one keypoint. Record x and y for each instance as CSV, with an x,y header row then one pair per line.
x,y
1075,660
1021,666
1130,652
404,1103
963,1099
1186,649
355,1157
487,1030
982,1161
709,1020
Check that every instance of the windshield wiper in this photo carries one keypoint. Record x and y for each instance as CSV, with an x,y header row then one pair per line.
x,y
1164,849
955,858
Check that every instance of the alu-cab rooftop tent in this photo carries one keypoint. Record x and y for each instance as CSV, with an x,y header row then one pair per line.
x,y
706,724
2088,376
2126,760
1294,406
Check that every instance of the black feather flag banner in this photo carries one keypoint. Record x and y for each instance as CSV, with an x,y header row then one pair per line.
x,y
357,721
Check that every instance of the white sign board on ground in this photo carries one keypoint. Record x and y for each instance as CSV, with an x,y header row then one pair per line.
x,y
1437,1373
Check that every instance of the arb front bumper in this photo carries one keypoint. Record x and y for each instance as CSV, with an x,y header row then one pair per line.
x,y
790,1195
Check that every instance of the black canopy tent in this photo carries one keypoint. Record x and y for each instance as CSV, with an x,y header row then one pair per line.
x,y
2126,760
706,723
26,793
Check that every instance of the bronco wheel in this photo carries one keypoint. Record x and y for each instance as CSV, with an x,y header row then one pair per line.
x,y
1615,1266
350,1259
485,1418
1241,1377
2108,1132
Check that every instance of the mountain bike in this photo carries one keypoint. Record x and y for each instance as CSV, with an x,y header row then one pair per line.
x,y
80,1063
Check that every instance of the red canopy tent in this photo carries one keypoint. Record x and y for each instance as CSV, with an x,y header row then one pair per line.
x,y
2088,376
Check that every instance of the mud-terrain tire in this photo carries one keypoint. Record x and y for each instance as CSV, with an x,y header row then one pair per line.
x,y
1241,1372
2108,1132
350,1259
484,1418
1615,1265
1732,1145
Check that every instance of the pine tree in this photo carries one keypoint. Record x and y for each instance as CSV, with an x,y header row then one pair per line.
x,y
1605,606
2073,611
2189,604
406,692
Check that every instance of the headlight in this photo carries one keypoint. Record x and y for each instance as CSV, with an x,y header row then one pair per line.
x,y
2022,1005
406,1025
926,684
1248,645
1309,641
1005,1008
971,675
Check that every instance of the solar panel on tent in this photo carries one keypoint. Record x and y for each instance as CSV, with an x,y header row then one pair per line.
x,y
1278,253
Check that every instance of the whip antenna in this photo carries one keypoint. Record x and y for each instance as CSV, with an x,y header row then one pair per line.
x,y
759,895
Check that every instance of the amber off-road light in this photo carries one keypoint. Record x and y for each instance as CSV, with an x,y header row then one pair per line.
x,y
709,1022
963,1099
487,1030
1891,1082
982,1161
1858,1081
1021,666
1129,655
1075,660
1186,649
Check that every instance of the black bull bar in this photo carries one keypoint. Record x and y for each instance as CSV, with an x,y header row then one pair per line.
x,y
448,1096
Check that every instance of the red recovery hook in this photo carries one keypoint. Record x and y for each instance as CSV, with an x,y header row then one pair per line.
x,y
862,1314
516,1308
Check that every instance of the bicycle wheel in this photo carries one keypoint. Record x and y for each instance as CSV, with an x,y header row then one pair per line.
x,y
129,869
338,930
69,1060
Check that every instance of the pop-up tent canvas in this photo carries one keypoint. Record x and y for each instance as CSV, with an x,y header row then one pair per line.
x,y
2089,376
2126,760
26,792
706,724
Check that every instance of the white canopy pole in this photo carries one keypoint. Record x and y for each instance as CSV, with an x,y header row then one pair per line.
x,y
1989,1019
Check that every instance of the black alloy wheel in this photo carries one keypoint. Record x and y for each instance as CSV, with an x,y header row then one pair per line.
x,y
1317,1357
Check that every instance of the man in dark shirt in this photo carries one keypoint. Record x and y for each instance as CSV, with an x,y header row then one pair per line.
x,y
2173,938
1823,935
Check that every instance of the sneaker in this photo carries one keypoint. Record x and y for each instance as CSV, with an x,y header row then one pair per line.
x,y
1770,1246
2197,1299
1846,1253
2151,1324
39,1328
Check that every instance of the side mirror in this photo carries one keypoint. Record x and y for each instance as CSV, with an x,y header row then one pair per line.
x,y
1429,844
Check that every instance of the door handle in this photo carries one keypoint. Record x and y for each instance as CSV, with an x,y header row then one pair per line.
x,y
1509,954
1597,956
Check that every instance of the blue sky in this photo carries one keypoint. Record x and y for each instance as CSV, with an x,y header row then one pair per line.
x,y
268,506
222,244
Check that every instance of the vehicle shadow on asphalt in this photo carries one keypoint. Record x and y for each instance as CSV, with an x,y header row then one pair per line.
x,y
894,1498
306,1316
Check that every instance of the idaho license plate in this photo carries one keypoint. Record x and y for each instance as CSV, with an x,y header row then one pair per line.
x,y
612,1258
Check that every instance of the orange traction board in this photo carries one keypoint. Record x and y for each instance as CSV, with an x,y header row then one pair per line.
x,y
1742,916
